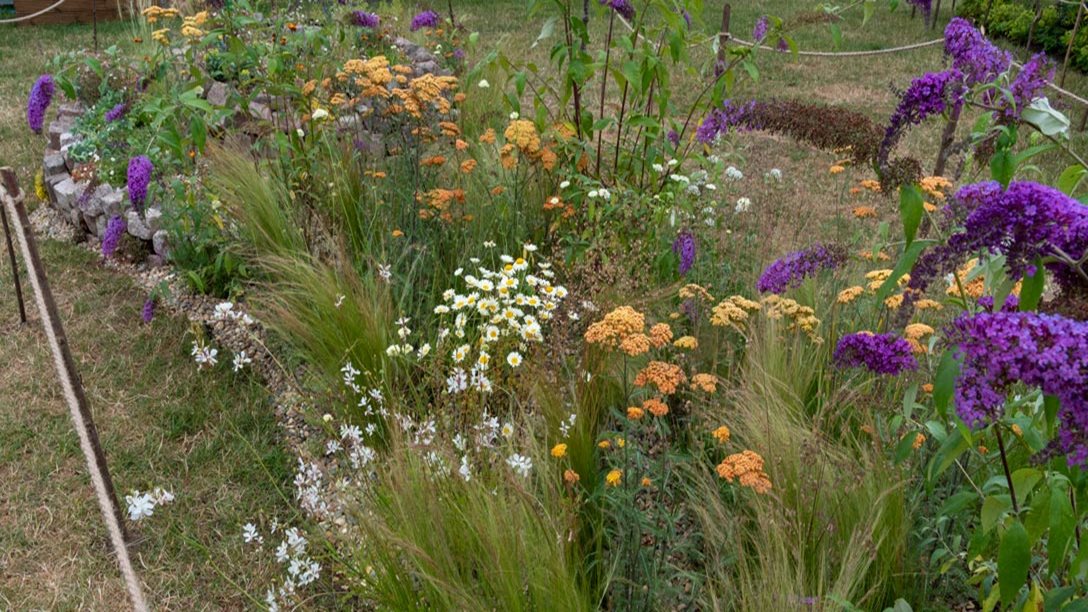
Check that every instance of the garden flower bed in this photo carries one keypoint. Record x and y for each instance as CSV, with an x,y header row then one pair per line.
x,y
534,343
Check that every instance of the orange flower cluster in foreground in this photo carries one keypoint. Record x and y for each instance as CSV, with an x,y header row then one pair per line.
x,y
655,407
665,376
746,468
705,382
624,328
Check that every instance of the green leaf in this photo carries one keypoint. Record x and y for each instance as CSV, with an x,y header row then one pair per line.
x,y
1024,481
1056,597
904,265
1037,518
944,383
1013,562
953,447
1062,525
1002,167
1070,179
993,508
957,502
911,209
545,33
1032,289
836,35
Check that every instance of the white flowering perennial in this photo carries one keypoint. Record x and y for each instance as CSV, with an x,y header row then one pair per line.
x,y
490,321
300,569
142,505
204,355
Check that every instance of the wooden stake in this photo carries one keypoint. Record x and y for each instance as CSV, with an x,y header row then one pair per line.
x,y
13,188
1072,40
74,394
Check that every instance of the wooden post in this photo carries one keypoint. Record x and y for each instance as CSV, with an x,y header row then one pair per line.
x,y
1072,41
13,189
74,394
933,16
723,34
1034,23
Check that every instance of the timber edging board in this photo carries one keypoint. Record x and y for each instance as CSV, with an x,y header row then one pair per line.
x,y
72,11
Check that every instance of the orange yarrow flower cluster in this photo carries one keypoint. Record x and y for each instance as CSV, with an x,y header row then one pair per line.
x,y
746,468
665,376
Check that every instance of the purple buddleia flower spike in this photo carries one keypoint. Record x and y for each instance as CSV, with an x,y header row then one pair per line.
x,y
364,19
977,58
426,19
116,112
111,238
793,269
147,313
139,177
924,5
1031,80
41,96
623,7
684,247
878,353
759,31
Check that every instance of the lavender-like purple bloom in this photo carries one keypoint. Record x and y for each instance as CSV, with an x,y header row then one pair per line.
x,y
1031,79
730,115
364,19
139,177
794,268
116,112
878,353
684,247
782,45
759,31
977,58
41,96
1025,222
426,19
1039,350
924,5
623,7
687,17
928,95
673,137
147,313
111,238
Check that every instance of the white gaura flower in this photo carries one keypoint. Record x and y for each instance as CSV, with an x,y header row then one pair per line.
x,y
204,355
385,272
465,471
520,464
424,350
340,300
241,360
249,534
223,310
514,359
140,505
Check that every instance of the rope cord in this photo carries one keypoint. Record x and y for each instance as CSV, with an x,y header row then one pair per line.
x,y
33,15
928,43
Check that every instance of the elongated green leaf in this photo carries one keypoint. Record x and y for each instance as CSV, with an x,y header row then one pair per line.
x,y
1032,289
911,209
1013,562
1002,167
944,383
1062,525
993,508
904,265
1071,178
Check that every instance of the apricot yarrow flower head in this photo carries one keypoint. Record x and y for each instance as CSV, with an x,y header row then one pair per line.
x,y
746,468
721,434
655,407
707,383
665,376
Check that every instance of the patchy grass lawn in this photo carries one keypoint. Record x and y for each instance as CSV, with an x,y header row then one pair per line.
x,y
211,438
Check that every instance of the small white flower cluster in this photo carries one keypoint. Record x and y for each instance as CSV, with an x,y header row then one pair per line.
x,y
141,505
774,175
601,193
500,311
743,204
204,355
226,311
565,426
291,552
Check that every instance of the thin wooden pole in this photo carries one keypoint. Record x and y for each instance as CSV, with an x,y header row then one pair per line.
x,y
13,189
1072,40
1034,23
933,17
74,394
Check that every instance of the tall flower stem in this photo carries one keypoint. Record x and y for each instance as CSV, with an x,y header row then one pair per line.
x,y
1005,464
604,85
947,137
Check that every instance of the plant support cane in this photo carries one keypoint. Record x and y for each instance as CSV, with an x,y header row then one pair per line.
x,y
13,188
72,388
